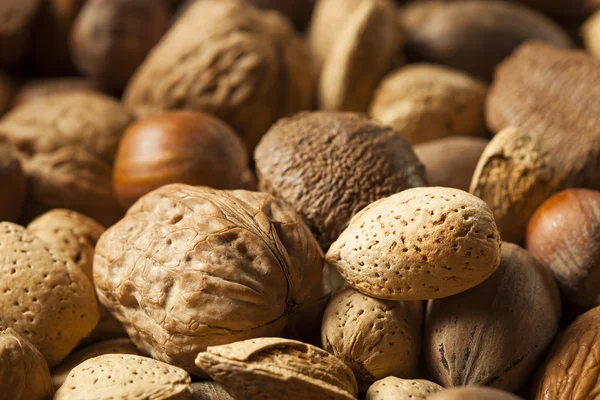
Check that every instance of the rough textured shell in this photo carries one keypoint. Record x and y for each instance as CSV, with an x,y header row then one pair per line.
x,y
67,143
113,346
209,391
244,65
521,96
425,102
402,389
16,20
328,166
269,368
363,332
473,393
190,267
513,176
24,373
125,377
43,295
422,243
496,333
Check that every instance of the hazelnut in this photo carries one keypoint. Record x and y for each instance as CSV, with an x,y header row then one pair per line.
x,y
473,393
12,185
111,38
402,389
16,20
38,88
179,147
564,233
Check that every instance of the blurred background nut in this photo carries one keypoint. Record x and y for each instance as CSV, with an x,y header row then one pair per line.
x,y
363,332
473,393
244,65
425,102
474,36
209,391
327,166
16,20
402,389
12,185
590,31
37,88
299,11
564,233
451,161
179,147
111,38
24,372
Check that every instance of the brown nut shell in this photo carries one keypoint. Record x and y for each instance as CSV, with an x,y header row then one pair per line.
x,y
426,102
328,166
125,377
496,333
24,373
16,20
45,297
37,88
514,176
268,368
209,391
13,185
363,332
402,389
299,11
473,393
422,243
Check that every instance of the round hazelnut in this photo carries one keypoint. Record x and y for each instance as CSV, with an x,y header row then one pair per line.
x,y
473,393
402,389
17,17
38,88
12,185
564,233
179,147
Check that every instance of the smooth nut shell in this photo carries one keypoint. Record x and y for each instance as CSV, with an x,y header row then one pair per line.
x,y
422,243
473,393
13,185
16,20
425,102
363,332
402,389
268,368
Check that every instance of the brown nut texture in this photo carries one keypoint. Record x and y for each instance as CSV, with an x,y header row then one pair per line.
x,y
514,176
13,185
473,393
522,96
244,65
16,20
496,333
363,332
299,11
179,147
474,36
24,373
422,243
329,165
45,297
37,88
110,39
426,102
67,143
402,389
125,377
564,233
190,267
268,368
209,391
451,161
113,346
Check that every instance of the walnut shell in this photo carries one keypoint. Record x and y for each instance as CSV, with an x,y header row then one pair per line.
x,y
245,66
24,374
209,391
522,96
363,332
402,389
419,244
125,377
37,88
190,267
113,346
269,368
330,165
496,333
475,36
514,176
16,20
426,102
45,297
473,393
451,161
67,143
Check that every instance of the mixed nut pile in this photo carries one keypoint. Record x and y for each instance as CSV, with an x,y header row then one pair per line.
x,y
299,199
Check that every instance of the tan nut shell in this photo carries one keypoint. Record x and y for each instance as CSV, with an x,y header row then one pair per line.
x,y
421,243
590,31
37,88
514,176
402,389
244,65
24,373
113,346
43,295
191,267
125,377
426,102
209,391
269,368
496,333
473,393
67,143
363,332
